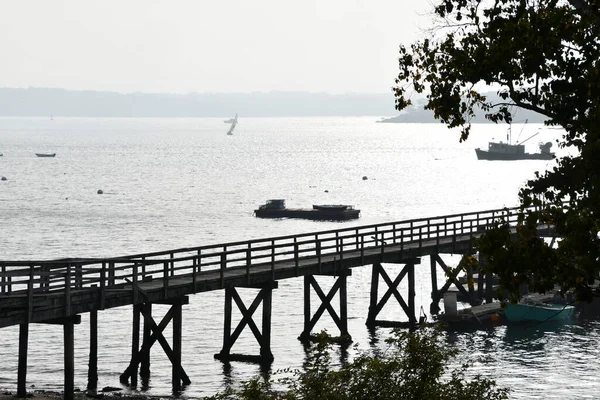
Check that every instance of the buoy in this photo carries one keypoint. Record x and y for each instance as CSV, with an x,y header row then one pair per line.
x,y
494,317
326,191
100,191
365,178
3,178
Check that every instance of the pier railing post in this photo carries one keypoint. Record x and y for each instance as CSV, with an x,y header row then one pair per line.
x,y
30,294
319,254
222,268
111,273
134,280
296,262
165,279
248,262
68,291
3,270
273,259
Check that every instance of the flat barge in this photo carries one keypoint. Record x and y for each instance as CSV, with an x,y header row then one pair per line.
x,y
336,212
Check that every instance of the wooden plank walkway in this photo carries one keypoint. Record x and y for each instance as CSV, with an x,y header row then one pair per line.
x,y
38,291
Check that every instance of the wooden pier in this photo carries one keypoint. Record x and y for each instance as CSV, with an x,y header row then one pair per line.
x,y
58,291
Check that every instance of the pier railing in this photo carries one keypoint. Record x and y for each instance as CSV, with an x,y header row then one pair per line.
x,y
67,275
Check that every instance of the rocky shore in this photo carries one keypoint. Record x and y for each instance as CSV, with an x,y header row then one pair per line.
x,y
108,395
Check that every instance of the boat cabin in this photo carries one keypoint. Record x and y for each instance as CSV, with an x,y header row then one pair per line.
x,y
276,204
506,148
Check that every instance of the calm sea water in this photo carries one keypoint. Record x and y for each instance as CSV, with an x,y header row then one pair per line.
x,y
171,183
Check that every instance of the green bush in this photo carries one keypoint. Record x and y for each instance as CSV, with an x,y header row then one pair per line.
x,y
414,366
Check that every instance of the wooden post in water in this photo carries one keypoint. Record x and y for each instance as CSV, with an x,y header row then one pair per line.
x,y
227,322
307,311
343,305
69,360
135,341
176,362
145,363
93,358
22,369
374,294
434,307
412,316
265,343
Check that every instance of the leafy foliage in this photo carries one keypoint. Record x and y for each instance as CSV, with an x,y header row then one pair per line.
x,y
544,56
414,367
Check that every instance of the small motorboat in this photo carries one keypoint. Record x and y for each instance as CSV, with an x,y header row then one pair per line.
x,y
528,310
45,154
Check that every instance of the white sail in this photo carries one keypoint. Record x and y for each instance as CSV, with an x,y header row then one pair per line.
x,y
233,124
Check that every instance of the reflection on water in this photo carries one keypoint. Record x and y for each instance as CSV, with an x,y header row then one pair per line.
x,y
553,359
173,183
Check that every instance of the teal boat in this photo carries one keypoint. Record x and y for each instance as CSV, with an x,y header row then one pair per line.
x,y
538,312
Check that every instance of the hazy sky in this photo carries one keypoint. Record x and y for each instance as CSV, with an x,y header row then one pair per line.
x,y
181,46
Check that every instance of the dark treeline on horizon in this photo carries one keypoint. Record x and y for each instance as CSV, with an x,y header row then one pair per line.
x,y
70,103
40,102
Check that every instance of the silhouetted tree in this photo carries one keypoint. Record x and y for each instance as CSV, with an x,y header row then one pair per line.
x,y
542,55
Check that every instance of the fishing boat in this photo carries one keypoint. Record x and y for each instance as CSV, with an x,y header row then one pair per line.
x,y
509,152
45,154
328,212
536,311
233,123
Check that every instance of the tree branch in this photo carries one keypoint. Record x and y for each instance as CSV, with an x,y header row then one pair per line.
x,y
585,9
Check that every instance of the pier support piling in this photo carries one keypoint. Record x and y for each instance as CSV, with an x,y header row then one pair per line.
x,y
452,275
93,357
176,376
434,307
376,306
145,360
69,337
180,378
263,337
340,320
135,340
22,368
